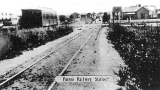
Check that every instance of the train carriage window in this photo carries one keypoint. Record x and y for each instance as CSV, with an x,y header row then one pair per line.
x,y
49,16
44,16
52,16
55,16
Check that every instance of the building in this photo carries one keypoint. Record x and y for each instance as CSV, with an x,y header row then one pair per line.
x,y
7,18
135,12
38,17
83,15
75,15
4,16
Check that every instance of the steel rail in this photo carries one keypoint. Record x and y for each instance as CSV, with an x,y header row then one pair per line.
x,y
12,77
54,82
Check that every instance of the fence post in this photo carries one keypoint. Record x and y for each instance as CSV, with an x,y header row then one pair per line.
x,y
151,27
157,31
138,27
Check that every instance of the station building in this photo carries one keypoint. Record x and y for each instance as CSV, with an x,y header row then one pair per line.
x,y
135,12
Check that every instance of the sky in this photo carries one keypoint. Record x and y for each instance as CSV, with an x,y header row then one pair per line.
x,y
70,6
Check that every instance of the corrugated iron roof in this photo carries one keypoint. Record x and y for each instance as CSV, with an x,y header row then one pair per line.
x,y
39,8
130,9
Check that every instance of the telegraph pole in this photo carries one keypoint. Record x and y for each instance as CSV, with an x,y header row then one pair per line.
x,y
113,18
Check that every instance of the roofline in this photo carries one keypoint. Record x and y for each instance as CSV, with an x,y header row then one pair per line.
x,y
75,13
30,9
41,9
130,12
142,7
137,10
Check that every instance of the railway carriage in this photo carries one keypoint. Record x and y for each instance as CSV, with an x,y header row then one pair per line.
x,y
34,18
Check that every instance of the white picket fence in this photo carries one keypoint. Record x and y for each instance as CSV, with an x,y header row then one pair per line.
x,y
137,21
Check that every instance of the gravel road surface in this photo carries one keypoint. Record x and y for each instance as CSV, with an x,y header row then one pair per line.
x,y
97,58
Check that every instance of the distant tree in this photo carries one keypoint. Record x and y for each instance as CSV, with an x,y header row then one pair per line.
x,y
94,14
106,17
62,18
71,16
93,17
20,22
89,15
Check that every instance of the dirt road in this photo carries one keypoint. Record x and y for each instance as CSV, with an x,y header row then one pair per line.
x,y
98,58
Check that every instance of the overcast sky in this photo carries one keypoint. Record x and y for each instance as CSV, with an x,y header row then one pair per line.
x,y
70,6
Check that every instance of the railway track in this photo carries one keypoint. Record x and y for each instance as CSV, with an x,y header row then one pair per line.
x,y
13,77
61,73
75,55
48,52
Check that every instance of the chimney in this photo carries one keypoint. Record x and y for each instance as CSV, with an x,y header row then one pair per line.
x,y
138,5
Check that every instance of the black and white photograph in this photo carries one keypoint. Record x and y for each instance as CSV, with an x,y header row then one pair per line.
x,y
79,45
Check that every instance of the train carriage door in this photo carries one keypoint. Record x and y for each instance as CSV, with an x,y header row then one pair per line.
x,y
43,19
46,21
49,20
